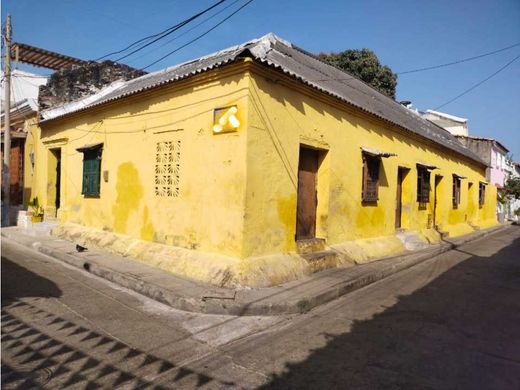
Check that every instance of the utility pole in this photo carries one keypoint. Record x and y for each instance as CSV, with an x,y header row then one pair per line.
x,y
6,184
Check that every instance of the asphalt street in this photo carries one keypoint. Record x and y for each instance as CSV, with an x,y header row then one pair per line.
x,y
452,322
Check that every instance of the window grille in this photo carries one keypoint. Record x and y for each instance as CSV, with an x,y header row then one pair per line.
x,y
167,168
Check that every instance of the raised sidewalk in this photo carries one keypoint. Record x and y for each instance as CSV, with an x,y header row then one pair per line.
x,y
293,297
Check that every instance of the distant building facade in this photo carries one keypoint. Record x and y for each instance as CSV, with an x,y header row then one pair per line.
x,y
454,124
493,153
513,171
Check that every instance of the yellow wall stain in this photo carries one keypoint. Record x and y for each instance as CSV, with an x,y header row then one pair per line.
x,y
147,231
287,215
129,193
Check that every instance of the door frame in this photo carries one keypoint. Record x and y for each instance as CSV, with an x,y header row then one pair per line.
x,y
401,173
54,181
303,202
436,184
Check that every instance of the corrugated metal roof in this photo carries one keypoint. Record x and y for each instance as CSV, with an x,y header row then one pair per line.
x,y
299,64
486,139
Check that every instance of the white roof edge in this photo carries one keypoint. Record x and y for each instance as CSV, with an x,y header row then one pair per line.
x,y
88,100
78,104
25,73
448,116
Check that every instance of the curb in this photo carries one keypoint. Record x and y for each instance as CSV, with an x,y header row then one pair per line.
x,y
259,302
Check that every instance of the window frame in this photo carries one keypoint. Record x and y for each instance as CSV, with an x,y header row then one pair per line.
x,y
481,194
370,178
456,188
423,184
91,156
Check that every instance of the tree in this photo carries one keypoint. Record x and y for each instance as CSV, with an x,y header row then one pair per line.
x,y
512,187
365,65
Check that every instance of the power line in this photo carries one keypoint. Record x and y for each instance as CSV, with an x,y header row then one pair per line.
x,y
198,37
459,61
159,35
479,83
185,32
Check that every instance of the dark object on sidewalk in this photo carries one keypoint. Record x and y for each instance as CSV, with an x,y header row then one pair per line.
x,y
80,248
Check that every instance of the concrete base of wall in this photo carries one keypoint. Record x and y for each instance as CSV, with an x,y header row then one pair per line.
x,y
366,250
261,271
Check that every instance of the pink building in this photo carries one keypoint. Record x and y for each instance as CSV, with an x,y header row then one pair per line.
x,y
493,153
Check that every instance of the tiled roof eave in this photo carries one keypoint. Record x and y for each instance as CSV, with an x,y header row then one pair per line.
x,y
372,113
143,89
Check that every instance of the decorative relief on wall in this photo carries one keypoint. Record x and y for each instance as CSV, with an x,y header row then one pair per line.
x,y
167,168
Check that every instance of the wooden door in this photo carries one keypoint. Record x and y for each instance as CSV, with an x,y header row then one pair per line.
x,y
307,194
16,172
436,212
57,153
399,203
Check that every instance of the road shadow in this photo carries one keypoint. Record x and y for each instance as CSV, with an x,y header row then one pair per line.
x,y
19,282
460,331
54,352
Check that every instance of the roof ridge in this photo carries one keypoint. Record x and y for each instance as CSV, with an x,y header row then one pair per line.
x,y
275,52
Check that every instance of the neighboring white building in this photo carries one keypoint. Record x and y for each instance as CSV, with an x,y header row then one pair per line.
x,y
24,87
454,124
512,170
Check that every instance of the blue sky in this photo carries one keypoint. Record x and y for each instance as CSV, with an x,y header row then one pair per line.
x,y
404,34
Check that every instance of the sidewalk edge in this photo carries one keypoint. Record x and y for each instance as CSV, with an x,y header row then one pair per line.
x,y
262,306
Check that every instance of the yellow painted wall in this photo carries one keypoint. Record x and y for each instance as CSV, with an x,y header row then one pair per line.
x,y
30,179
208,213
238,190
285,115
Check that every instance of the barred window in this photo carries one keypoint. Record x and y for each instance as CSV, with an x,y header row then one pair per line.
x,y
423,185
481,194
456,191
370,186
167,168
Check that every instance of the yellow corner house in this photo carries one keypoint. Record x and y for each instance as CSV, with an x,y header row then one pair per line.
x,y
253,166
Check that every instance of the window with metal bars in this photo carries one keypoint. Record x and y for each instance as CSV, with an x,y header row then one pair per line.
x,y
481,194
423,185
456,191
370,186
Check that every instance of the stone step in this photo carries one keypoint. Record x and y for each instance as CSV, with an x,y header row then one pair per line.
x,y
321,260
443,234
411,241
475,227
310,245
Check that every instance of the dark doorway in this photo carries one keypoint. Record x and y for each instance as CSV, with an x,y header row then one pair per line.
x,y
399,197
57,155
436,218
307,194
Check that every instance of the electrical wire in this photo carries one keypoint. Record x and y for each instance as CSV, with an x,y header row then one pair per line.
x,y
459,61
185,32
200,36
479,83
159,35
